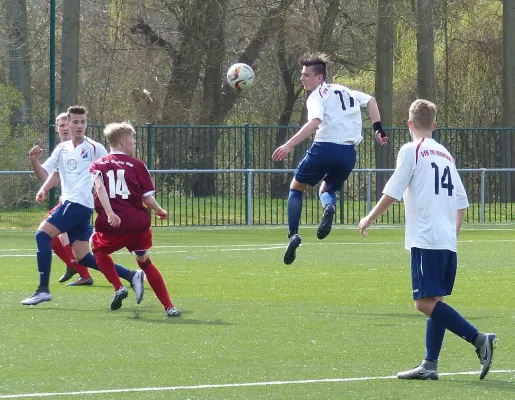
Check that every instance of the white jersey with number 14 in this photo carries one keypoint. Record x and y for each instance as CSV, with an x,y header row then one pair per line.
x,y
426,177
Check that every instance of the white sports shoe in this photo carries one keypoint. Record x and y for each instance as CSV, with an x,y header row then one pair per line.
x,y
137,285
419,372
173,312
36,298
485,354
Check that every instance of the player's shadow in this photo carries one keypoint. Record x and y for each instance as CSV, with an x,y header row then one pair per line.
x,y
419,315
46,309
392,315
144,315
149,317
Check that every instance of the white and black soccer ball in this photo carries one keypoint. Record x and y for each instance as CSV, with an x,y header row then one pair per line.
x,y
240,76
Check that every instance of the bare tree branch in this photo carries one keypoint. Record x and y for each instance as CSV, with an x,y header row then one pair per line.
x,y
153,38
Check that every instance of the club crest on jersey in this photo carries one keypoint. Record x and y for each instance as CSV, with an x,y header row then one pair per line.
x,y
84,153
72,164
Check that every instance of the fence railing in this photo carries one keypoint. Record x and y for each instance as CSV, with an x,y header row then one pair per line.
x,y
224,175
245,197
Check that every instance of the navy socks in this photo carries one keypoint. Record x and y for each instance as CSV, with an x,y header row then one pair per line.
x,y
294,211
44,259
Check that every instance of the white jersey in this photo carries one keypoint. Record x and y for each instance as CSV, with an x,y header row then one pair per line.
x,y
427,179
339,109
73,164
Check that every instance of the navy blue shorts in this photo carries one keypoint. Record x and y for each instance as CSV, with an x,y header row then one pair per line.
x,y
326,161
74,219
432,272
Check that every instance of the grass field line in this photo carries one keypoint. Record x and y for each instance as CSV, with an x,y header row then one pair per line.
x,y
252,247
231,385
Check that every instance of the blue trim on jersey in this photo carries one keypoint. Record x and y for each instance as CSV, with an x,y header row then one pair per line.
x,y
74,219
326,161
433,272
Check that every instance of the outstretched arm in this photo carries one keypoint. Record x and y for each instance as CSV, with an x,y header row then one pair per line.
x,y
459,220
375,117
34,155
307,130
384,204
50,182
113,219
151,203
373,110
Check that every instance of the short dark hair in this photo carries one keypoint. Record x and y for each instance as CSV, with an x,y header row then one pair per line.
x,y
76,110
316,60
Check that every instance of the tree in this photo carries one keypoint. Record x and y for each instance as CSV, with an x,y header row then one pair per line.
x,y
70,54
507,142
508,64
200,52
19,56
384,85
287,57
425,49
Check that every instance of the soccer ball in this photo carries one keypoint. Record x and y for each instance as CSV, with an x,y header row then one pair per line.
x,y
240,76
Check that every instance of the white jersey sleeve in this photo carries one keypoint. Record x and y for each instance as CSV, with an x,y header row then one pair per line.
x,y
100,152
398,183
361,97
315,107
462,201
52,162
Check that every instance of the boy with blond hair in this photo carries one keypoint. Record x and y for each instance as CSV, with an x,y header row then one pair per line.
x,y
123,186
435,201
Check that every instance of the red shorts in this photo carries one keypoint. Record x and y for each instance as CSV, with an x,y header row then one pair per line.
x,y
110,243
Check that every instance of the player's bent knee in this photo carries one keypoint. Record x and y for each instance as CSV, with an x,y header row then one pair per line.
x,y
49,229
425,305
141,255
295,184
42,237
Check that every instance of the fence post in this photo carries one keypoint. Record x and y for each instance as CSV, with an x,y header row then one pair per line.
x,y
149,145
248,176
249,204
483,171
342,213
369,190
51,125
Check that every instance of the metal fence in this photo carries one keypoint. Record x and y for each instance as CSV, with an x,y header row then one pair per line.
x,y
241,198
225,176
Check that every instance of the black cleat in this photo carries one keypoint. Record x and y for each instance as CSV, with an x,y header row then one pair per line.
x,y
324,229
68,274
119,295
289,255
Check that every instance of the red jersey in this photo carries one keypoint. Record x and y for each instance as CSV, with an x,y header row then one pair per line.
x,y
127,182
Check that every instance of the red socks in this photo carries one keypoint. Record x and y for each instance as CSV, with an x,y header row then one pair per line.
x,y
156,282
65,253
106,265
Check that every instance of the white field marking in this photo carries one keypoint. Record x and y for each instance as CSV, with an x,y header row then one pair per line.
x,y
251,247
230,385
494,226
318,243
